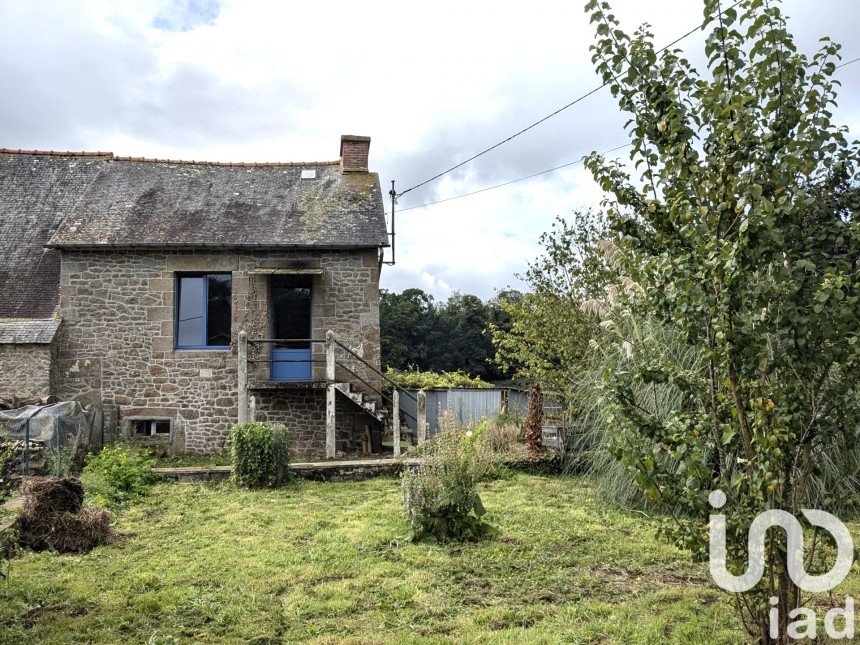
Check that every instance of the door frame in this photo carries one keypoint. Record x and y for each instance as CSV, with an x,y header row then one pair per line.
x,y
307,366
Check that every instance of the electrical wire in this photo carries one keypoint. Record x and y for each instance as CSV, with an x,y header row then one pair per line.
x,y
508,183
548,116
549,170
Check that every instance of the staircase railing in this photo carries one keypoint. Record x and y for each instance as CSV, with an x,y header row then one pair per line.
x,y
332,362
394,400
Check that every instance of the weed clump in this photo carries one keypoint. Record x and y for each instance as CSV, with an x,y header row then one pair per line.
x,y
118,474
441,494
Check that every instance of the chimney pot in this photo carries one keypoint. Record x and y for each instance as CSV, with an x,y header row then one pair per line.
x,y
354,152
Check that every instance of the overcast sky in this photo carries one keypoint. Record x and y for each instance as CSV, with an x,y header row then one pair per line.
x,y
431,83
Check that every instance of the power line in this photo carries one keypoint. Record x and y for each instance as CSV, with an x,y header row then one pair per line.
x,y
508,183
548,116
549,170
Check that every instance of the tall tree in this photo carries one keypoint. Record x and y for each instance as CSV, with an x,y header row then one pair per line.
x,y
407,321
546,335
742,236
441,337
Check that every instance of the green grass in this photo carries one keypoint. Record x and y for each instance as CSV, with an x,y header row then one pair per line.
x,y
329,563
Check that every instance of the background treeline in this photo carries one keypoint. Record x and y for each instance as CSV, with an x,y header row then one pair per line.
x,y
446,336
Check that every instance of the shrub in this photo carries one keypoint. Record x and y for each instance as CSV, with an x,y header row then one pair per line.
x,y
260,453
7,460
118,474
414,379
441,495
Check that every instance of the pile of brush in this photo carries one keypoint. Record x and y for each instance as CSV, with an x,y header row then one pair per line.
x,y
54,517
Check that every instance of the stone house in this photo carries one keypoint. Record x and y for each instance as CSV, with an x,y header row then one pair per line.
x,y
133,284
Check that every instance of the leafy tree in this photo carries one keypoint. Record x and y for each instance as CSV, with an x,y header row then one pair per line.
x,y
462,337
406,323
742,236
547,336
441,337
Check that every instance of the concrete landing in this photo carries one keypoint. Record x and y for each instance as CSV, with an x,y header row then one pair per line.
x,y
351,470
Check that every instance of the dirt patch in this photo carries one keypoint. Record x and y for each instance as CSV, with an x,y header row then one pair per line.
x,y
663,576
54,517
28,620
672,577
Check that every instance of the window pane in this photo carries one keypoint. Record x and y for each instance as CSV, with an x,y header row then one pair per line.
x,y
291,309
189,324
162,427
218,316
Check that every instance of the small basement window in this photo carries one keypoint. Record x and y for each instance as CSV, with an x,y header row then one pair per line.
x,y
150,427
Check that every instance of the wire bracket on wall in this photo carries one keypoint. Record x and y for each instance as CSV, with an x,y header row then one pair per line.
x,y
393,194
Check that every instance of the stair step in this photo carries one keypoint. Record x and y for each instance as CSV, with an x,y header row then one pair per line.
x,y
380,415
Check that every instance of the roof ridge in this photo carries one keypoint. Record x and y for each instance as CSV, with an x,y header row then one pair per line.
x,y
238,164
55,153
113,157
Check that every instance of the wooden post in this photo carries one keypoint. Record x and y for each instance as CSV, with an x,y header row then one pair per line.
x,y
395,420
25,471
330,393
243,377
422,417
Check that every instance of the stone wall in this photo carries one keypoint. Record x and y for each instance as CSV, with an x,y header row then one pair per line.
x,y
116,343
26,372
303,412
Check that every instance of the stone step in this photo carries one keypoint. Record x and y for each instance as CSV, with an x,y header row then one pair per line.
x,y
359,399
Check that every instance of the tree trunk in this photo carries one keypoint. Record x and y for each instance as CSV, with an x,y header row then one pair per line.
x,y
534,420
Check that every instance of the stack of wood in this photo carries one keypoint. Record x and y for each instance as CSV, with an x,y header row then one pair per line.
x,y
12,462
19,402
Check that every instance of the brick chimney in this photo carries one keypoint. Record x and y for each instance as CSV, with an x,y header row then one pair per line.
x,y
354,152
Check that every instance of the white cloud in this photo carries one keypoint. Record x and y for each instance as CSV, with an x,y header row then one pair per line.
x,y
431,83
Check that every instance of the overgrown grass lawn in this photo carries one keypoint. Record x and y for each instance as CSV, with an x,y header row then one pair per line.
x,y
330,563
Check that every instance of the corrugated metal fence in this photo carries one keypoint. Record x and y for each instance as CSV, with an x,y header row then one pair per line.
x,y
468,405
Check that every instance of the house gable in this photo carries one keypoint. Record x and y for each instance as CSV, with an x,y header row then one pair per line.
x,y
36,192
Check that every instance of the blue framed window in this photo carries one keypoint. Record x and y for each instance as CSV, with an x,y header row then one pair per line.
x,y
203,310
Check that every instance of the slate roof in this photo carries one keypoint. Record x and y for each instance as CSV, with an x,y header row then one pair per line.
x,y
168,204
36,193
27,331
98,200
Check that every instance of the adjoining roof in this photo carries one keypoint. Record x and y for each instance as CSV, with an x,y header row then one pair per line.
x,y
166,204
36,193
38,332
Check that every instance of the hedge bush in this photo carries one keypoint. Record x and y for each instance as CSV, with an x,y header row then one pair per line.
x,y
260,454
413,379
